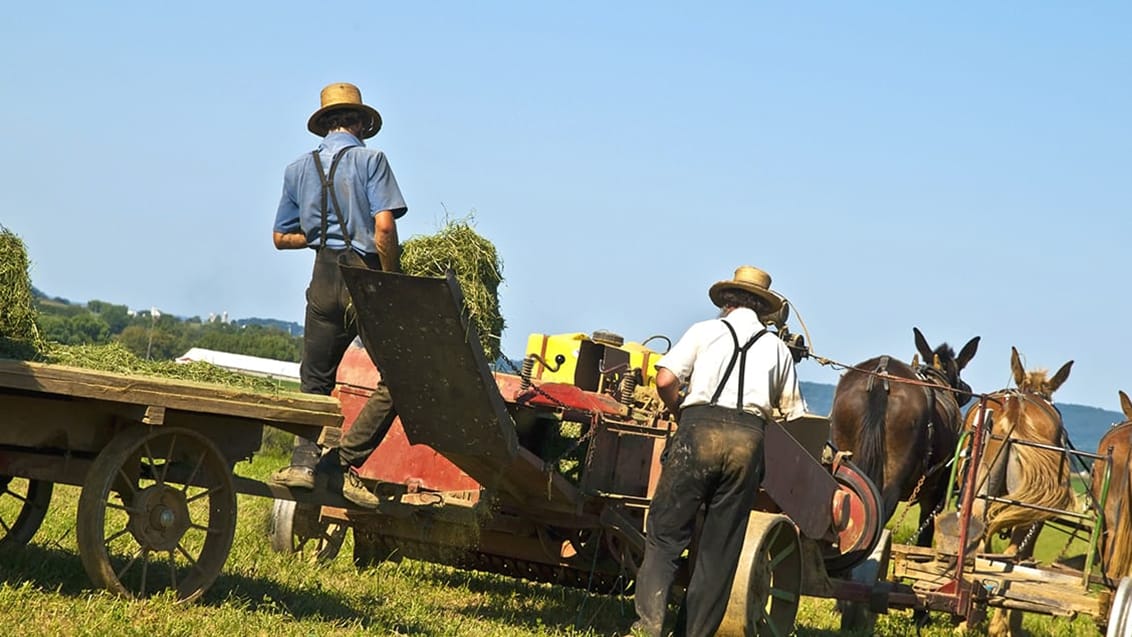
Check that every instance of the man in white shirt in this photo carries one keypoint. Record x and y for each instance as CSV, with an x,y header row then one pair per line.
x,y
737,374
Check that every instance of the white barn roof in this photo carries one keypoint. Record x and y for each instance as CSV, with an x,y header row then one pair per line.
x,y
243,364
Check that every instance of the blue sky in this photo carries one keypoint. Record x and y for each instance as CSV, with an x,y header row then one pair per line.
x,y
961,167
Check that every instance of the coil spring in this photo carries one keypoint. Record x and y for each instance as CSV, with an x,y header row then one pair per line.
x,y
628,387
525,373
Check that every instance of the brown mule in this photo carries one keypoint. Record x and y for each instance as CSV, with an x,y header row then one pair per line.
x,y
902,424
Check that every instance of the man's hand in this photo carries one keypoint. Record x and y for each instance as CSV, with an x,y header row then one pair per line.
x,y
289,241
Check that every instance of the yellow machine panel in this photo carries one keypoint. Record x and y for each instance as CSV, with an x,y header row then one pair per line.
x,y
579,359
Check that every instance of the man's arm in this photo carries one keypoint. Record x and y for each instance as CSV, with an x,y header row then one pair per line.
x,y
385,238
289,240
668,387
790,402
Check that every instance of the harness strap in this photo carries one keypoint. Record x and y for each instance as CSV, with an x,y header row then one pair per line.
x,y
881,371
739,354
327,180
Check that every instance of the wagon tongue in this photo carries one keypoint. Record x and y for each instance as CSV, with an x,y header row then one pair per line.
x,y
430,356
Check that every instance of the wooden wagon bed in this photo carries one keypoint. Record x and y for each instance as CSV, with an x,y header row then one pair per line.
x,y
48,412
155,458
1008,585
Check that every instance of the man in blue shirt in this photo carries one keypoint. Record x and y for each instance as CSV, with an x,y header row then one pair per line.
x,y
341,201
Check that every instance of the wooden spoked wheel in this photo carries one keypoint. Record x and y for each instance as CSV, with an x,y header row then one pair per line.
x,y
23,504
157,513
300,529
767,586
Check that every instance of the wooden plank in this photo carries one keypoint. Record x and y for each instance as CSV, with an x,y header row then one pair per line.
x,y
164,393
1056,599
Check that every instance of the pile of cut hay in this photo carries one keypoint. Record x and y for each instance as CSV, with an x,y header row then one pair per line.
x,y
19,336
114,357
459,248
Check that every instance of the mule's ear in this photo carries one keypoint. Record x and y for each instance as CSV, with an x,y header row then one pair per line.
x,y
968,352
922,344
1126,405
1060,377
1016,367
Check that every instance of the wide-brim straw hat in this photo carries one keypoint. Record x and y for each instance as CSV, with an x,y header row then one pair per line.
x,y
749,279
342,96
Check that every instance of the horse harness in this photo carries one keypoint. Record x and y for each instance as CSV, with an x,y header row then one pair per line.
x,y
927,374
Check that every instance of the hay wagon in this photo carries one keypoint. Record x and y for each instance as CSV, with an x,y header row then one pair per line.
x,y
154,459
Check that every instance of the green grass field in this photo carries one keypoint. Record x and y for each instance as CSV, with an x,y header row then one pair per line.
x,y
44,591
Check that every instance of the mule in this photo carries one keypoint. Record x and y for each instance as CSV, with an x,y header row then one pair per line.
x,y
1020,472
901,422
1017,471
1116,533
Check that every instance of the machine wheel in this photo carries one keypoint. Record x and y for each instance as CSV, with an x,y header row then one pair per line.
x,y
157,512
627,556
298,528
859,617
866,523
768,583
23,504
1120,613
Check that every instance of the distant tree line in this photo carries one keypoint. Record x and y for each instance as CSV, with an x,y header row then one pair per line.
x,y
161,336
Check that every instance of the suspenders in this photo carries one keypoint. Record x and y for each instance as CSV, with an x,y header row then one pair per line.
x,y
328,187
740,354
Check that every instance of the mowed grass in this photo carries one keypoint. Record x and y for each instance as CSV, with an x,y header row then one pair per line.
x,y
44,591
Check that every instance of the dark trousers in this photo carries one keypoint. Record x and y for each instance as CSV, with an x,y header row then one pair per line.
x,y
714,461
329,329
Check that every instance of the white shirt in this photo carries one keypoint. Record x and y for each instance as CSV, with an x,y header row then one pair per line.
x,y
701,356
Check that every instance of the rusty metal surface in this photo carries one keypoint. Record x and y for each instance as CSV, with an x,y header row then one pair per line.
x,y
797,483
430,356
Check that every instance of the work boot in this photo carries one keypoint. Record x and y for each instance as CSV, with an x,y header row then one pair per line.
x,y
294,477
354,490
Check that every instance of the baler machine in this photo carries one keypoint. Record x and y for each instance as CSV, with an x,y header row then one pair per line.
x,y
545,472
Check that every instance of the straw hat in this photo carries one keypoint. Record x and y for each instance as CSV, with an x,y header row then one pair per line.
x,y
749,279
343,96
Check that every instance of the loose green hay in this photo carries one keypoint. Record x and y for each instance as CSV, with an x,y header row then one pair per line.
x,y
19,337
458,247
114,357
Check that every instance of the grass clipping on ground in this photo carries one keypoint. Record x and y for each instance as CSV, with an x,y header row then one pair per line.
x,y
19,336
459,248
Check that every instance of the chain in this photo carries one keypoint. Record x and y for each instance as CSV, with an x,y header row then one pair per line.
x,y
535,388
1030,535
549,466
1065,549
912,498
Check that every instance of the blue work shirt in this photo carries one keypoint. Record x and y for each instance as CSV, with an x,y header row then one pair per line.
x,y
365,186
